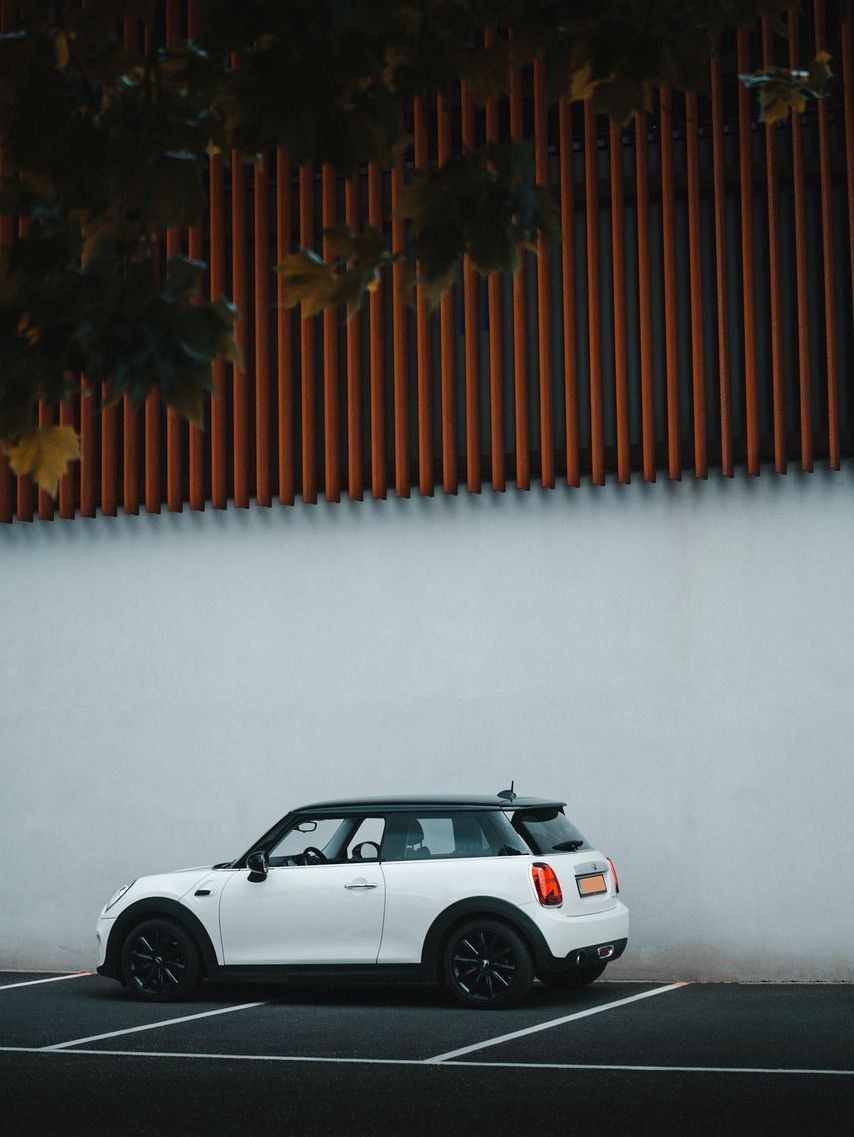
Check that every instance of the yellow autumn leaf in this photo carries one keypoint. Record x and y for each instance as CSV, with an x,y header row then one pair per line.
x,y
45,453
582,86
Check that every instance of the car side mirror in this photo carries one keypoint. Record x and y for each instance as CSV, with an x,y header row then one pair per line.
x,y
257,864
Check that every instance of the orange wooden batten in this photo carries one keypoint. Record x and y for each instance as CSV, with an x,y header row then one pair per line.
x,y
831,360
88,451
618,251
644,299
68,481
309,413
544,295
776,302
152,409
240,295
332,484
377,326
219,468
25,494
6,237
471,292
520,318
668,246
45,501
567,270
695,252
399,335
447,364
284,335
719,180
355,483
751,394
496,329
261,298
848,106
130,419
594,328
196,252
422,332
174,421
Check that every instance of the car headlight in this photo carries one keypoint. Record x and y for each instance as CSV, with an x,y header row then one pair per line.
x,y
116,897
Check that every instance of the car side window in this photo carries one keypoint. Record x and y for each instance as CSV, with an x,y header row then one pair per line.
x,y
457,834
366,842
323,833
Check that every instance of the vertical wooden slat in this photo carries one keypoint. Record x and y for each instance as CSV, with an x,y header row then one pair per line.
x,y
355,476
496,328
471,289
544,297
776,302
67,482
594,329
219,417
568,288
24,507
152,404
831,359
377,326
399,331
130,421
196,251
309,409
6,237
88,452
45,501
261,262
695,247
801,284
240,295
109,466
719,182
447,346
332,461
671,311
745,113
618,252
422,326
174,420
520,318
284,334
644,299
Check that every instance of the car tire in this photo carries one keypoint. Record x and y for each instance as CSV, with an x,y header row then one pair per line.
x,y
487,965
160,961
571,980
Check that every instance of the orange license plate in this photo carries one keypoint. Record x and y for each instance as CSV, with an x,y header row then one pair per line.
x,y
592,885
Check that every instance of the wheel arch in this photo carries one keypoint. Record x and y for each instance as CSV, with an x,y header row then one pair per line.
x,y
145,909
495,908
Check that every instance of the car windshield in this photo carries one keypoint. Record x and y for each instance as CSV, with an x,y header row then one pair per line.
x,y
548,830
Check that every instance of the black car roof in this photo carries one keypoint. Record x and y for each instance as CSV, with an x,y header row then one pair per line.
x,y
428,801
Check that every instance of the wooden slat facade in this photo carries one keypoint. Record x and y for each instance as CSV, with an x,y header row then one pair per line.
x,y
695,316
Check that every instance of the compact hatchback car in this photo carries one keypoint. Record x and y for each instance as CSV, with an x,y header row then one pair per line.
x,y
481,894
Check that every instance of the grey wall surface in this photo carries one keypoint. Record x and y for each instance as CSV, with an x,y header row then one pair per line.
x,y
674,660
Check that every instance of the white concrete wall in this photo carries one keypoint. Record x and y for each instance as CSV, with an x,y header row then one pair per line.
x,y
675,660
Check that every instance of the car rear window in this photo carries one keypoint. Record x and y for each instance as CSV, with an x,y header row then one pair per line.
x,y
548,830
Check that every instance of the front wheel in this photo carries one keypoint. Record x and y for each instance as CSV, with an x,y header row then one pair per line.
x,y
160,961
487,965
571,980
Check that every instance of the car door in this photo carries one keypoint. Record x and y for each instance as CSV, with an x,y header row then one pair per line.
x,y
308,913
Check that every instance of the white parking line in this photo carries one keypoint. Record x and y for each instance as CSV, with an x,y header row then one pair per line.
x,y
420,1062
552,1023
154,1026
53,979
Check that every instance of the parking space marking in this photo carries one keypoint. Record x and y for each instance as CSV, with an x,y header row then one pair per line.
x,y
52,979
154,1026
552,1023
587,1066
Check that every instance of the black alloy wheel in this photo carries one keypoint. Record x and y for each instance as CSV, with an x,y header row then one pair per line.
x,y
160,961
487,965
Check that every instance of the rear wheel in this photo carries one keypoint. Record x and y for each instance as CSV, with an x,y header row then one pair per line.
x,y
570,980
487,965
160,961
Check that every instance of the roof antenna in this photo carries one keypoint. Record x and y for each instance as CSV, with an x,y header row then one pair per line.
x,y
508,795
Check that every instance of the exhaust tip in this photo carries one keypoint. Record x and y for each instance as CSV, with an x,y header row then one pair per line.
x,y
606,951
579,958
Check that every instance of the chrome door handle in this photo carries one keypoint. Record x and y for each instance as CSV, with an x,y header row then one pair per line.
x,y
364,884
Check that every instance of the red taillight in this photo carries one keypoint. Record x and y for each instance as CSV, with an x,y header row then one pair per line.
x,y
547,885
614,875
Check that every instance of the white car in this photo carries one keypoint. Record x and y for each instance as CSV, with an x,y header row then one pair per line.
x,y
482,894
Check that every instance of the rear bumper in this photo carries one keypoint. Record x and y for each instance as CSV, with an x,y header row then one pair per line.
x,y
566,936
